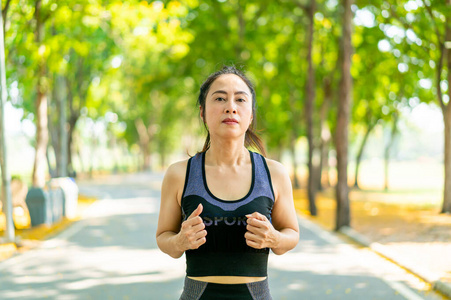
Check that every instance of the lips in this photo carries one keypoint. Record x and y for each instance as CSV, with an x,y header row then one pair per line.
x,y
230,121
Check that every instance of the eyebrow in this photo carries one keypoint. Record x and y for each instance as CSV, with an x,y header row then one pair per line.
x,y
224,92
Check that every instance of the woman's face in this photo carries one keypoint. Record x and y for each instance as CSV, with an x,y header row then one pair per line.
x,y
228,107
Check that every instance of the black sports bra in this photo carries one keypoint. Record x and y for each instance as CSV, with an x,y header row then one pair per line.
x,y
225,252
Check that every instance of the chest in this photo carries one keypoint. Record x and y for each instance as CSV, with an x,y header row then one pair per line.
x,y
229,183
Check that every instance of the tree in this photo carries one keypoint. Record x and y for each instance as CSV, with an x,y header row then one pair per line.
x,y
6,198
41,15
428,45
344,106
310,92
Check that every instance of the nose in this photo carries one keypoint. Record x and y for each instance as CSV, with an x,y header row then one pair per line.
x,y
230,108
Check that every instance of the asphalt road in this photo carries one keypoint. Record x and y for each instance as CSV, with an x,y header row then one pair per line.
x,y
112,254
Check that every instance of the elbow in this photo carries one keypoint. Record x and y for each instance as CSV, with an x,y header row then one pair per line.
x,y
175,255
280,251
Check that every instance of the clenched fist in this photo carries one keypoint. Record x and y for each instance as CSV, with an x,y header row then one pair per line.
x,y
192,233
260,232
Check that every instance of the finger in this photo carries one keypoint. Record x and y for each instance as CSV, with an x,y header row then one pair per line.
x,y
253,229
251,236
201,234
199,243
252,215
192,222
257,215
254,244
198,227
196,212
256,222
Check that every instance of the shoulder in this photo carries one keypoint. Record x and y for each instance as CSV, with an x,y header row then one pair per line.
x,y
176,171
174,180
276,168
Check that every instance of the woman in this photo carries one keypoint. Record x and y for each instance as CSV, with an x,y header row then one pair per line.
x,y
227,206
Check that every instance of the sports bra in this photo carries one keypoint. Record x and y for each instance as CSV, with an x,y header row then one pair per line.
x,y
225,252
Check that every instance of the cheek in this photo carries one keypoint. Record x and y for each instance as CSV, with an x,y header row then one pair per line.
x,y
209,113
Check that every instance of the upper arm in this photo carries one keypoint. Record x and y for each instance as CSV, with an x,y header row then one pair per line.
x,y
283,213
170,216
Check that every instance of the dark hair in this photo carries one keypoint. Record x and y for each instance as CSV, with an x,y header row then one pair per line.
x,y
251,138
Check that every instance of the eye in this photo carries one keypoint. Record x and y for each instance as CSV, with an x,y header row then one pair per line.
x,y
220,99
241,100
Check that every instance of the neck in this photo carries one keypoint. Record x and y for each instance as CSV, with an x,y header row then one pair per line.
x,y
226,153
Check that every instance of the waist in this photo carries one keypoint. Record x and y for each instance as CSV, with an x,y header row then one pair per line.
x,y
226,264
227,279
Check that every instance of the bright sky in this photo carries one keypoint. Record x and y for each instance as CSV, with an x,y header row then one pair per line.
x,y
13,124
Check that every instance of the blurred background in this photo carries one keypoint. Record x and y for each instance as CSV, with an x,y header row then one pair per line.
x,y
96,87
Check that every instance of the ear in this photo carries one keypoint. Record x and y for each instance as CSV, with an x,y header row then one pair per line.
x,y
201,113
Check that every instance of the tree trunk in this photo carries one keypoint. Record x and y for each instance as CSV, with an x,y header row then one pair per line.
x,y
144,143
62,130
4,14
294,137
94,145
310,91
82,164
70,144
6,200
52,171
446,208
360,153
53,131
296,183
325,133
42,134
74,115
393,133
343,217
323,169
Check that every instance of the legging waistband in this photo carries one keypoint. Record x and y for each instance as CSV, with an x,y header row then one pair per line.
x,y
200,290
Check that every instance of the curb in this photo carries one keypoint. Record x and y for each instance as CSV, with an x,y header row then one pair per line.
x,y
426,275
7,250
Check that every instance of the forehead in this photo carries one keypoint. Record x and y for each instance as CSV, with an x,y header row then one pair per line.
x,y
229,83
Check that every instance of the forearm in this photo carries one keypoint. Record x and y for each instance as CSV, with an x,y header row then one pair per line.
x,y
167,242
287,240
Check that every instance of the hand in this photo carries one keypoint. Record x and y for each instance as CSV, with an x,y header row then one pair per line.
x,y
192,233
260,232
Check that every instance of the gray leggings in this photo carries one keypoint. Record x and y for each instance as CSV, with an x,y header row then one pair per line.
x,y
199,290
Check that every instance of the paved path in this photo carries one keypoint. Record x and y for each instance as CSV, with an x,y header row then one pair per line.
x,y
112,254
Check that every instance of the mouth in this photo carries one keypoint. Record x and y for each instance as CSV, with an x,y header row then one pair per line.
x,y
230,121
